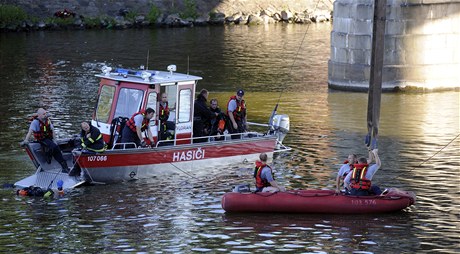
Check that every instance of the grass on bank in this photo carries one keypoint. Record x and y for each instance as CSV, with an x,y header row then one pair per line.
x,y
11,15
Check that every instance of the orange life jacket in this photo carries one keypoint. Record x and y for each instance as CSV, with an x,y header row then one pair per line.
x,y
358,178
240,111
221,126
145,123
164,113
261,183
45,130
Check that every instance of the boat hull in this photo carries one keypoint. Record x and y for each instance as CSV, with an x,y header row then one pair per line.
x,y
129,164
316,201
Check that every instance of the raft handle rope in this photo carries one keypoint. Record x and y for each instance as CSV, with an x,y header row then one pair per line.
x,y
315,195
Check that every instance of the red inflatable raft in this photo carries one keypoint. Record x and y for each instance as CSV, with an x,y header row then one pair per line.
x,y
316,201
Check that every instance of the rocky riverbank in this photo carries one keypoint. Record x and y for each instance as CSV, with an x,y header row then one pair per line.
x,y
186,13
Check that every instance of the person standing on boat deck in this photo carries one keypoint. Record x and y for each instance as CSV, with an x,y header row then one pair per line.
x,y
263,174
201,115
359,180
163,115
139,122
344,170
91,138
42,129
217,125
236,111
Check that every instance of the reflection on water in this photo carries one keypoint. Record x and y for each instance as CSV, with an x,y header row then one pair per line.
x,y
180,213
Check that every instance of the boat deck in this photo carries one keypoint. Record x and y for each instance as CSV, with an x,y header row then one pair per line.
x,y
47,174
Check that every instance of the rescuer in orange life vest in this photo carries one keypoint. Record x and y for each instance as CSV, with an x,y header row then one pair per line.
x,y
359,180
216,125
236,111
263,174
42,129
139,122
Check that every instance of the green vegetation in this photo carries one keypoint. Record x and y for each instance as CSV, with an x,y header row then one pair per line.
x,y
92,22
11,15
190,10
60,21
153,14
107,21
212,14
131,16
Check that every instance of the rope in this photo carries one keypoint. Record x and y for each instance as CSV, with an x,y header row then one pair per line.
x,y
185,172
439,151
57,173
290,71
318,195
423,162
297,53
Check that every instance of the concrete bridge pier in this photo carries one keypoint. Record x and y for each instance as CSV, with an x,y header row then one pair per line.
x,y
422,51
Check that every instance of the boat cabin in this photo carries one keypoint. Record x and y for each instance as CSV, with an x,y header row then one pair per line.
x,y
124,92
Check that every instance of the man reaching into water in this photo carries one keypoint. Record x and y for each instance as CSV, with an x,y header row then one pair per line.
x,y
263,174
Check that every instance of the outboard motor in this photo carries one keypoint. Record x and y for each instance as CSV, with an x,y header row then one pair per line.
x,y
242,188
280,126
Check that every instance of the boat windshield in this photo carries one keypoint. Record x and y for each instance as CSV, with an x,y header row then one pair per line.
x,y
105,103
129,102
185,105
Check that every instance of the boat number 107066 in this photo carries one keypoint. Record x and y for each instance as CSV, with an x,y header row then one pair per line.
x,y
97,158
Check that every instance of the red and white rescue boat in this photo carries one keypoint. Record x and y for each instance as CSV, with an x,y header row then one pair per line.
x,y
122,93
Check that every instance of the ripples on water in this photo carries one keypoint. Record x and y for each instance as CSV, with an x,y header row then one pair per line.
x,y
179,213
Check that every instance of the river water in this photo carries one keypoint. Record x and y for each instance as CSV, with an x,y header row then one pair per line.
x,y
181,213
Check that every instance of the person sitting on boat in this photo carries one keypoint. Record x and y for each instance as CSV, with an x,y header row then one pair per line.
x,y
202,115
163,116
265,181
91,138
42,129
359,180
138,123
344,170
236,111
216,125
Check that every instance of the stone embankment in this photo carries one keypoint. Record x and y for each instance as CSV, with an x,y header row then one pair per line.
x,y
186,13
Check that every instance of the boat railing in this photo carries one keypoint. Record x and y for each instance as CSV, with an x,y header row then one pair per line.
x,y
203,139
212,138
123,146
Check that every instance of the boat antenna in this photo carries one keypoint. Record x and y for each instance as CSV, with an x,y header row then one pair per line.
x,y
188,64
375,78
291,68
147,64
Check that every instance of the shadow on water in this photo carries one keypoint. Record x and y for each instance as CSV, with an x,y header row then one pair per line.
x,y
323,233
